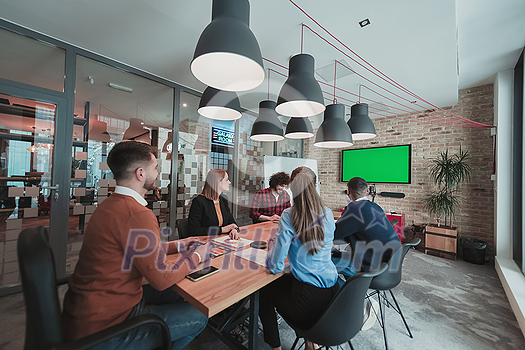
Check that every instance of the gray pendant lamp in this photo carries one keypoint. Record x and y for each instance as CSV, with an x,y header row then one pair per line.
x,y
219,104
267,126
360,123
334,132
299,128
301,95
227,55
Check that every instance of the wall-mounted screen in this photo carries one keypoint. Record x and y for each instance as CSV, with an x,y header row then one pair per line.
x,y
222,136
391,164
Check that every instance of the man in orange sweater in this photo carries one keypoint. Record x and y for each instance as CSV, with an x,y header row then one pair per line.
x,y
122,247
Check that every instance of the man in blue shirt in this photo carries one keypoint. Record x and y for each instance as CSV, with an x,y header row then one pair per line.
x,y
365,226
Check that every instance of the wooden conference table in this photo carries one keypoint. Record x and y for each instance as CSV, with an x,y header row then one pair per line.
x,y
237,282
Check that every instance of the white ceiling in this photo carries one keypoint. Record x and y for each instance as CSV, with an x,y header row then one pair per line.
x,y
420,44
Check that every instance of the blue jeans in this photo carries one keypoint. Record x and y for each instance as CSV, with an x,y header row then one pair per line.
x,y
184,322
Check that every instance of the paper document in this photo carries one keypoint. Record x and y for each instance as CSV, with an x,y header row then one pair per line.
x,y
236,243
257,256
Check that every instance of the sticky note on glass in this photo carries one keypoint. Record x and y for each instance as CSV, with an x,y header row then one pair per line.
x,y
164,190
80,191
103,191
80,174
86,220
15,192
156,205
78,209
101,199
11,224
30,212
103,166
112,182
156,212
81,156
32,191
103,183
164,204
90,209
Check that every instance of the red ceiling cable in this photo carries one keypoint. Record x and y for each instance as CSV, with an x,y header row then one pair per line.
x,y
391,81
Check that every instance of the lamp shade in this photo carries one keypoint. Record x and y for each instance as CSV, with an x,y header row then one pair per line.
x,y
99,131
360,123
301,95
137,132
220,104
227,55
299,128
267,126
334,132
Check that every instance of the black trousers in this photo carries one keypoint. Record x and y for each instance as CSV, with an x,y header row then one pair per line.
x,y
299,303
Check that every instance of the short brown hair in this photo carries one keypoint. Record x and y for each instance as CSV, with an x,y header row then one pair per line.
x,y
357,186
125,157
280,178
211,187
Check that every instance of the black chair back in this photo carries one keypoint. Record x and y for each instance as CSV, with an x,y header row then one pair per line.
x,y
392,277
37,271
343,318
183,228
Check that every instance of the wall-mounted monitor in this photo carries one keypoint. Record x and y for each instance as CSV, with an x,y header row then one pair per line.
x,y
222,137
391,164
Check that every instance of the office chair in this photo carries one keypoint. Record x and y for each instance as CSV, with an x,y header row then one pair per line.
x,y
183,228
388,280
43,320
343,318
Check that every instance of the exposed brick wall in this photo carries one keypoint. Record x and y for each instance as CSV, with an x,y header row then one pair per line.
x,y
475,218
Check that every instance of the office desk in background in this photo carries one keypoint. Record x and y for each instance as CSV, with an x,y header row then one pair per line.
x,y
237,281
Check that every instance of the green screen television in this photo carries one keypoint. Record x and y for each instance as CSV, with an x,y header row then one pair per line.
x,y
391,164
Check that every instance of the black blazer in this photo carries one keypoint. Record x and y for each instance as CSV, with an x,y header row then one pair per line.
x,y
203,216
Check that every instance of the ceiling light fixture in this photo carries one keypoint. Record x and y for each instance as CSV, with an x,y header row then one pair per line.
x,y
360,123
120,87
299,128
364,22
334,132
227,55
301,95
267,126
220,104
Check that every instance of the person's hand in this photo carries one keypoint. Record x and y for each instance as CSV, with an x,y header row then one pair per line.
x,y
275,217
204,251
235,233
187,243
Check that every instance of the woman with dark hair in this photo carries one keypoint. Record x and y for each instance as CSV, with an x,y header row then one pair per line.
x,y
210,210
304,236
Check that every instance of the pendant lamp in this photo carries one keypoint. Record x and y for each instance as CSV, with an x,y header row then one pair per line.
x,y
99,131
334,132
299,128
219,104
227,55
301,95
267,126
360,123
137,132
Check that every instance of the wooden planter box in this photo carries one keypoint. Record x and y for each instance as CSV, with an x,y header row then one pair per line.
x,y
441,241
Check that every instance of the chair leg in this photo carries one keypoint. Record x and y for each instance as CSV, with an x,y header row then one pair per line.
x,y
295,342
351,347
382,313
401,313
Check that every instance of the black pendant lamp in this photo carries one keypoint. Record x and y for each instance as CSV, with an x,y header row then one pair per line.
x,y
219,104
299,128
267,126
227,55
360,123
334,132
301,95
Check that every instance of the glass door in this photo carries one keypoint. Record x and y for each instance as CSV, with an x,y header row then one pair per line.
x,y
29,190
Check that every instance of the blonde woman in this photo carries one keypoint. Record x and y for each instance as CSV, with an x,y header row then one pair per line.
x,y
209,211
304,236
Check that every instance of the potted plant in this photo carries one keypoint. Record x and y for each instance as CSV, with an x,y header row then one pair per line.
x,y
448,171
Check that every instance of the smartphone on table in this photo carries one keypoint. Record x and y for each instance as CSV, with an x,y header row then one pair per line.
x,y
198,275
